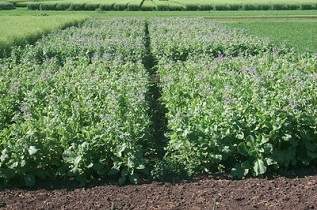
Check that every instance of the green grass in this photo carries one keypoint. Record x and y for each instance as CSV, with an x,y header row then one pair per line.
x,y
25,28
300,34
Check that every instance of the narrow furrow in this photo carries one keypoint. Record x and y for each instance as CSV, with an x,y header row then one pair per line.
x,y
157,108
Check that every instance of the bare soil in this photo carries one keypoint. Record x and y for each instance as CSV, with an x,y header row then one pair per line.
x,y
204,193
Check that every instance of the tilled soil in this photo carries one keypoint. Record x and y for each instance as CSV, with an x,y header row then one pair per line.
x,y
205,193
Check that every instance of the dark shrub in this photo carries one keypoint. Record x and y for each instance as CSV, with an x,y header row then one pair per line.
x,y
235,6
206,7
120,7
279,6
133,7
47,6
264,7
77,7
148,8
33,6
105,7
163,7
307,6
6,6
191,7
221,7
286,6
62,6
250,7
176,7
91,7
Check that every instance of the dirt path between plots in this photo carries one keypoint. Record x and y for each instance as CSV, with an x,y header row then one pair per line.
x,y
206,193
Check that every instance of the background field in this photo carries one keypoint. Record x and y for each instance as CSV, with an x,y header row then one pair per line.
x,y
23,29
300,34
297,28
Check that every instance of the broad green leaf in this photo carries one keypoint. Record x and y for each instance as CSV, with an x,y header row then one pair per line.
x,y
259,167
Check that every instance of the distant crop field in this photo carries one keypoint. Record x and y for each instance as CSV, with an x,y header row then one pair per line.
x,y
21,29
301,34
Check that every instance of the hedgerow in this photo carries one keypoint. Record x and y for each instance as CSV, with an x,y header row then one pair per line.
x,y
6,6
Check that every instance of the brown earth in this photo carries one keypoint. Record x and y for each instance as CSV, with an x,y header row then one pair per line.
x,y
204,193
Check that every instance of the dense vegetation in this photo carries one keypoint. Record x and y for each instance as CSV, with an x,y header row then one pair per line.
x,y
235,103
77,107
6,6
127,98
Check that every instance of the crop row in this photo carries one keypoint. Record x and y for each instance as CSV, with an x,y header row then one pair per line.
x,y
234,103
94,40
241,115
73,105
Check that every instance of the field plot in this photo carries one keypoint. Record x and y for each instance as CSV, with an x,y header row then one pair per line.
x,y
77,108
24,29
226,110
126,98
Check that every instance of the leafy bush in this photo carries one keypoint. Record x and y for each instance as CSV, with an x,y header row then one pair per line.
x,y
257,7
105,7
285,6
308,6
62,6
221,7
6,6
77,6
163,7
47,6
91,7
175,7
235,6
133,7
206,7
33,6
120,7
192,7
